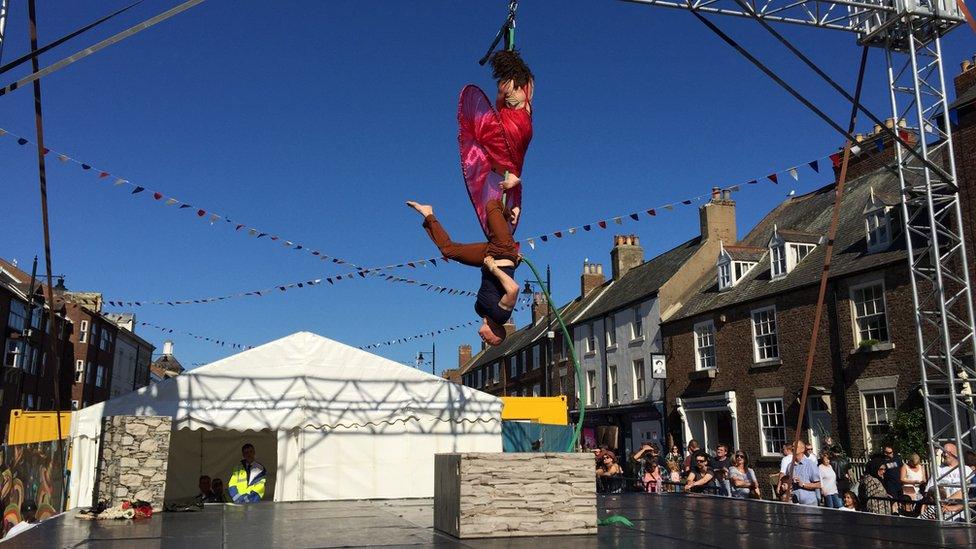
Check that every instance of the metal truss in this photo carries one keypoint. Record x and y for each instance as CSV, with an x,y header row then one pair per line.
x,y
909,31
862,17
937,258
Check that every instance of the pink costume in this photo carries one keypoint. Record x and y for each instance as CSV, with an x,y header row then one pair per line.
x,y
491,142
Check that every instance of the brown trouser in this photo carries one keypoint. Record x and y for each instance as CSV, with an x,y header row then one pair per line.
x,y
500,244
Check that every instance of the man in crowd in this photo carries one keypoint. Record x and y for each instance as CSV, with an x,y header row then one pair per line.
x,y
28,514
694,451
806,477
246,484
720,465
205,489
892,476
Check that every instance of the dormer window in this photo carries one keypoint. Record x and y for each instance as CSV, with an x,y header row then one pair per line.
x,y
787,249
724,276
877,222
734,263
777,259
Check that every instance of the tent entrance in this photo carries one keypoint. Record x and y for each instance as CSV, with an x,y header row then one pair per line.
x,y
196,452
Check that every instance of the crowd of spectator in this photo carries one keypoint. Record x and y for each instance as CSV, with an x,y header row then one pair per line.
x,y
889,485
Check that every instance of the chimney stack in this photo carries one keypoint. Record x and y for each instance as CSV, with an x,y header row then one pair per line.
x,y
966,78
626,254
592,278
717,218
540,307
876,149
168,347
464,355
510,327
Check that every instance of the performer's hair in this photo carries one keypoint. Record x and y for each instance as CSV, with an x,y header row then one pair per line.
x,y
508,65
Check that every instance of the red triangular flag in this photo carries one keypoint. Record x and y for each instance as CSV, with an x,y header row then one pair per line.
x,y
157,196
835,159
602,224
772,177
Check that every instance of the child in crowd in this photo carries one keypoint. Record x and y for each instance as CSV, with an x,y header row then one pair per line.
x,y
850,501
674,475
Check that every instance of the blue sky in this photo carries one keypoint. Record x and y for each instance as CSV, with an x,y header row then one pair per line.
x,y
316,120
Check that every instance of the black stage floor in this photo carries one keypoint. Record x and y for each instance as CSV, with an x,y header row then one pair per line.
x,y
659,520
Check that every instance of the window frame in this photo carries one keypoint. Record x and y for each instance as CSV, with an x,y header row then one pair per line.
x,y
640,385
610,331
778,266
854,314
99,376
590,387
760,415
725,280
698,358
755,336
865,426
613,391
637,324
883,226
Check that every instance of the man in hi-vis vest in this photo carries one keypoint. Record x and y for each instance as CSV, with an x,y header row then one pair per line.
x,y
246,484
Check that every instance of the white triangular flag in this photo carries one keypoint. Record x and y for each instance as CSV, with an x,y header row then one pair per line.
x,y
794,174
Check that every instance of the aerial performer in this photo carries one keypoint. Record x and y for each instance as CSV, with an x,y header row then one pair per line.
x,y
494,142
497,258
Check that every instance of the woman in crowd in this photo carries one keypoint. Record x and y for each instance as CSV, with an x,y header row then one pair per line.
x,y
874,496
700,475
784,489
650,469
675,454
608,466
828,482
913,478
850,502
742,478
674,475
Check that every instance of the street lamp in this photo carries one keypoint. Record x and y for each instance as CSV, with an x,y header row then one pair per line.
x,y
433,357
550,335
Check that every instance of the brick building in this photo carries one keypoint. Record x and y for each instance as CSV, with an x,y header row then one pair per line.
x,y
29,372
736,351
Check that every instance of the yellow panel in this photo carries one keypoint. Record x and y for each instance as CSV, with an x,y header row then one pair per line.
x,y
28,427
549,410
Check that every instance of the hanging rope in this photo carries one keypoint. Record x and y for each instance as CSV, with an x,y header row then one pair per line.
x,y
63,39
831,234
37,74
507,31
54,326
572,352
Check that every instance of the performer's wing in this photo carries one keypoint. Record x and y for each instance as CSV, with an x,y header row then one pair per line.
x,y
483,143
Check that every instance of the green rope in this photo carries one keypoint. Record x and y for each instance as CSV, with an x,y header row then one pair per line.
x,y
572,352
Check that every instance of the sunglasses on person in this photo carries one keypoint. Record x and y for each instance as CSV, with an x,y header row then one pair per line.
x,y
701,461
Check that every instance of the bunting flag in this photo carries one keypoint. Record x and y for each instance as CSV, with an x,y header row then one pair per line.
x,y
521,306
205,213
249,231
291,286
213,340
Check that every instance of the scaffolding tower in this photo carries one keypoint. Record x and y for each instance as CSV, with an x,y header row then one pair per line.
x,y
909,32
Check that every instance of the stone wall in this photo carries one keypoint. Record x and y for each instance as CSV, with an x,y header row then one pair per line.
x,y
133,458
481,495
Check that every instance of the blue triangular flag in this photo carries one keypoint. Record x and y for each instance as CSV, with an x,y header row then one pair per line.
x,y
814,165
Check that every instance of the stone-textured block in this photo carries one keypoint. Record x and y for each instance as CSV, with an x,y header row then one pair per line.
x,y
481,495
133,458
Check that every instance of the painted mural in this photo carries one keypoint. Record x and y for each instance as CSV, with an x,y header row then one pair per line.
x,y
29,472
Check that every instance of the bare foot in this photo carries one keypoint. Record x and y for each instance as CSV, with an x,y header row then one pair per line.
x,y
515,215
422,209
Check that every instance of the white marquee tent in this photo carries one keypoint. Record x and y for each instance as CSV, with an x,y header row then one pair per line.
x,y
327,420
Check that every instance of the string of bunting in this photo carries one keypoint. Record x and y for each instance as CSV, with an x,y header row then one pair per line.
x,y
522,304
215,341
793,172
295,285
209,215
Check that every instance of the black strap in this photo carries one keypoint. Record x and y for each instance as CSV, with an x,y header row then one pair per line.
x,y
507,26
